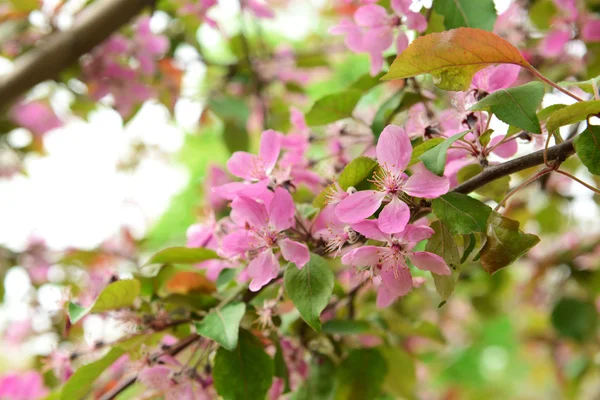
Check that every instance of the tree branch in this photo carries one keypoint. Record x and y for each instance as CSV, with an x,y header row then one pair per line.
x,y
555,153
60,50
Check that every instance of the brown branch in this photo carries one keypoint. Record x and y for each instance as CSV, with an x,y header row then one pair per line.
x,y
60,50
555,153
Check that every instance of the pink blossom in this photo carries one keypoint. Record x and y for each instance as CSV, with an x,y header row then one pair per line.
x,y
266,222
258,8
26,386
373,30
388,264
257,168
60,363
204,235
215,177
36,116
200,9
172,383
148,46
328,228
553,44
590,32
393,154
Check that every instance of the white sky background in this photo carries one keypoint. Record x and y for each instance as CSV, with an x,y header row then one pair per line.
x,y
75,196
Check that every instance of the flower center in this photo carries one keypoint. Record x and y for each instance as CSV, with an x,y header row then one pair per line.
x,y
387,181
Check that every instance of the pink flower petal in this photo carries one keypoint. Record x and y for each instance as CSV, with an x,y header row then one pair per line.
x,y
254,213
385,297
294,252
376,60
359,205
369,228
415,233
157,377
244,165
236,243
416,21
393,149
401,42
371,16
401,7
394,216
397,279
362,257
429,262
505,150
554,43
262,270
270,146
590,32
426,184
493,78
281,210
377,40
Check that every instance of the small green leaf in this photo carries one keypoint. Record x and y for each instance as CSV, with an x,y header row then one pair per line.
x,y
459,13
361,375
119,294
281,368
443,244
356,171
505,243
575,319
461,214
346,327
401,379
495,190
572,114
367,82
222,325
321,381
434,159
235,137
515,106
333,107
182,255
385,112
587,86
25,5
587,146
309,288
245,373
419,149
234,114
470,245
80,383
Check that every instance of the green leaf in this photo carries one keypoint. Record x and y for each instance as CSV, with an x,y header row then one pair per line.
x,y
182,255
401,378
515,106
361,375
495,190
461,214
575,319
367,82
398,102
281,369
309,288
587,146
541,13
356,171
470,245
222,325
385,112
80,383
234,113
505,243
235,137
419,149
587,86
321,381
572,114
333,107
459,13
25,5
346,327
453,57
119,294
244,373
434,159
443,244
445,284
